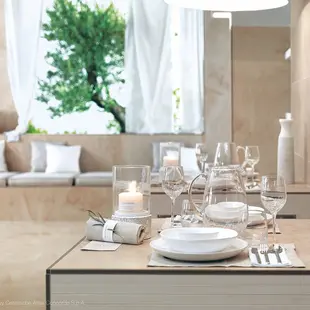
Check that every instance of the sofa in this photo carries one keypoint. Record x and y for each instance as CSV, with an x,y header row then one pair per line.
x,y
39,196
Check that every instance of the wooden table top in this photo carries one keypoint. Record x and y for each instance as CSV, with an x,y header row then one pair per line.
x,y
134,259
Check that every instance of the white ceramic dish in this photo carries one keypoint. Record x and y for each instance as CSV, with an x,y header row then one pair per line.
x,y
177,239
235,248
225,212
191,233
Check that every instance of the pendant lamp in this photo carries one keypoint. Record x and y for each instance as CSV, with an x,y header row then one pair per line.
x,y
229,5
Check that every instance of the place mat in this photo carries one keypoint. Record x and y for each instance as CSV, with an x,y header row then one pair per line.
x,y
242,260
166,225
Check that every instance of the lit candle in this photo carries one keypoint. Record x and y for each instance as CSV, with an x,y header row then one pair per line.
x,y
132,200
170,161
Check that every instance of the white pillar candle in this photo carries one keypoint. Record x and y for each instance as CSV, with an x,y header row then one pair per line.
x,y
170,161
132,200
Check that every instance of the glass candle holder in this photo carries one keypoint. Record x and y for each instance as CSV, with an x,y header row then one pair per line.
x,y
131,190
170,154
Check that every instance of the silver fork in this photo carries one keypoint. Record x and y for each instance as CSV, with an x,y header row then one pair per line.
x,y
264,249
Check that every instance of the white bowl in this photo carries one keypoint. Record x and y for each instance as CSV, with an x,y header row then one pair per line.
x,y
189,241
230,205
225,211
192,233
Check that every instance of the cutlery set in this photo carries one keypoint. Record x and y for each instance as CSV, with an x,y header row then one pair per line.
x,y
265,251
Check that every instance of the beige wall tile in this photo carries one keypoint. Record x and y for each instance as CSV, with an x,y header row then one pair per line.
x,y
298,111
300,25
261,89
300,166
218,84
300,32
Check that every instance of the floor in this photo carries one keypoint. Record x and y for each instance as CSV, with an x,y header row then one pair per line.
x,y
27,249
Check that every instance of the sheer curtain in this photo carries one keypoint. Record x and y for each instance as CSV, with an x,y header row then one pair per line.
x,y
191,40
148,68
22,26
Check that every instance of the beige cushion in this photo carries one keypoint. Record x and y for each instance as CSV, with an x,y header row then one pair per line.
x,y
42,179
94,179
4,176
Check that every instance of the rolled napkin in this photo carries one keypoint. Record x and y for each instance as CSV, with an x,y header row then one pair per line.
x,y
117,232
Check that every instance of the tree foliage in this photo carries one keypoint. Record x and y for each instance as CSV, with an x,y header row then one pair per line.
x,y
32,129
89,58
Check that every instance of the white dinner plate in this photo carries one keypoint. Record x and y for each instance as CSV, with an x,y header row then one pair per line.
x,y
236,247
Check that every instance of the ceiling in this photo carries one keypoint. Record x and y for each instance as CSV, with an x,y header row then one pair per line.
x,y
272,18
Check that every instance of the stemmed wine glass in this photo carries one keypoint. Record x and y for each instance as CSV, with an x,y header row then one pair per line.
x,y
173,185
252,158
202,155
273,197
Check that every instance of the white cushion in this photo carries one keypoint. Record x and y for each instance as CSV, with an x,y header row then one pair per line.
x,y
38,155
94,179
189,160
60,158
41,179
3,166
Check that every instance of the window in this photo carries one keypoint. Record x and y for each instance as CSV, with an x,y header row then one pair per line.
x,y
80,70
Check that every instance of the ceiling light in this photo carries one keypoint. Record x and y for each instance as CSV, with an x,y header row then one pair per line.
x,y
229,5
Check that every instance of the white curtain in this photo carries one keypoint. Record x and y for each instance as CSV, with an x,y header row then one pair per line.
x,y
23,24
148,68
191,38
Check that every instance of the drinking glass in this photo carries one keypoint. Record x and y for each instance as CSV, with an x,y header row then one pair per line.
x,y
273,197
202,155
173,185
189,215
251,158
257,229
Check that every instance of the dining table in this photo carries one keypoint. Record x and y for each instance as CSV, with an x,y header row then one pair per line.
x,y
122,279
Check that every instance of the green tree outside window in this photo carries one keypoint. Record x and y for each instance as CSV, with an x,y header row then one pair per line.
x,y
89,58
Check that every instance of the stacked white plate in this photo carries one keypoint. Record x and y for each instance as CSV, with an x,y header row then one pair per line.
x,y
198,244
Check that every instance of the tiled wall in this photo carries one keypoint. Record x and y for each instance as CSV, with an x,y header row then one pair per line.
x,y
261,89
300,33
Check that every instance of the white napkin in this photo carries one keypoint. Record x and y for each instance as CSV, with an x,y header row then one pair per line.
x,y
273,259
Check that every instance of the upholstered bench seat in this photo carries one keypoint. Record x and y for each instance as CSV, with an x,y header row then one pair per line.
x,y
103,178
41,179
4,177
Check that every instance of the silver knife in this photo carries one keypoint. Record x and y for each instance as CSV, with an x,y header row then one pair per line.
x,y
255,252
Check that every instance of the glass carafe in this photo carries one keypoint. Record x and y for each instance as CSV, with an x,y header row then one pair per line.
x,y
224,202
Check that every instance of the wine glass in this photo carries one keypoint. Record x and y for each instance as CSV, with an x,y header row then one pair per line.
x,y
173,185
273,197
252,158
226,155
202,155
